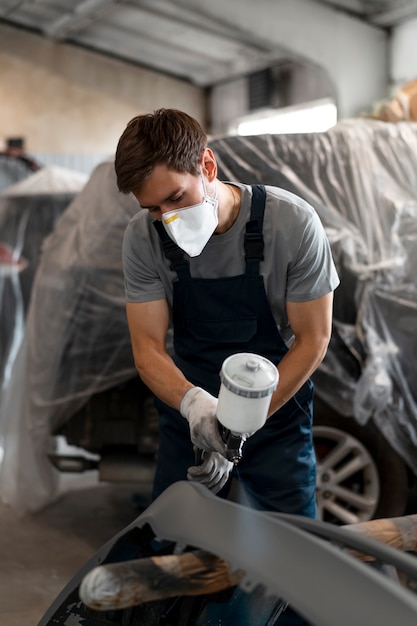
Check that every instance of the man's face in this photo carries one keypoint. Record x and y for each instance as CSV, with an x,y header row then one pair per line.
x,y
167,189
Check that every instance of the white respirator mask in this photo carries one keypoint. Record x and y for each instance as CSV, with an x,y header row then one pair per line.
x,y
191,227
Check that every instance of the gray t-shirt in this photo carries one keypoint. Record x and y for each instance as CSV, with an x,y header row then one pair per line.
x,y
298,264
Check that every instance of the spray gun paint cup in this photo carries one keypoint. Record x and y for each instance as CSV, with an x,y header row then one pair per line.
x,y
247,383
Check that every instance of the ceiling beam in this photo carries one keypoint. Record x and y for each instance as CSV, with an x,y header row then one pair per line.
x,y
84,13
391,17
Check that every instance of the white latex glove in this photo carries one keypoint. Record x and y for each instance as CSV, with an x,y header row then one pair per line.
x,y
199,409
213,472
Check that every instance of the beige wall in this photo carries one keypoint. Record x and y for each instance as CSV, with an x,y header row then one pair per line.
x,y
64,99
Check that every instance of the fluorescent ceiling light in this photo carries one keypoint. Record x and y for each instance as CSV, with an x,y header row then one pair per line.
x,y
310,117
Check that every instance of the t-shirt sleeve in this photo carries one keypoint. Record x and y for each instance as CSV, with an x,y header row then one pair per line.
x,y
142,281
311,272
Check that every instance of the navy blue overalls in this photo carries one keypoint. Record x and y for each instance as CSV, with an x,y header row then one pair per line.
x,y
212,319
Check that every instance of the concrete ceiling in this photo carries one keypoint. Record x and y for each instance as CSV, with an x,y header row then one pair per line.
x,y
182,38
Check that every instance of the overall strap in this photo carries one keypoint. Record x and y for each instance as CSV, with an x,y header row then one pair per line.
x,y
254,241
173,253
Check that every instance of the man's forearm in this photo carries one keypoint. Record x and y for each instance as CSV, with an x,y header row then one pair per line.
x,y
159,372
294,370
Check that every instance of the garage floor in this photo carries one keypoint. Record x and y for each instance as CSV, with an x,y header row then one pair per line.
x,y
40,553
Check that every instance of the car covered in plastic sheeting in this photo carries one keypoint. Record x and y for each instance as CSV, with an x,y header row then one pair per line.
x,y
361,177
28,212
74,374
76,341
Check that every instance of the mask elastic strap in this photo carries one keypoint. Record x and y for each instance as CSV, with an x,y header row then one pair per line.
x,y
205,188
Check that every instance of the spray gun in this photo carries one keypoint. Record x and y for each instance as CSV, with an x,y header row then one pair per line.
x,y
247,383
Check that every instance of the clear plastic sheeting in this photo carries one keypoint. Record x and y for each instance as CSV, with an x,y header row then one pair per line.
x,y
76,341
53,180
361,176
15,165
29,210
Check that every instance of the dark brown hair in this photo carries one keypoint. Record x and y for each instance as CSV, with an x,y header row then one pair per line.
x,y
165,136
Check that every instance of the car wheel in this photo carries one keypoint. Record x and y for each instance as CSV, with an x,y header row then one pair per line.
x,y
359,476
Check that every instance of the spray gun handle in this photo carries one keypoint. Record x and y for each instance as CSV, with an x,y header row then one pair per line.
x,y
234,443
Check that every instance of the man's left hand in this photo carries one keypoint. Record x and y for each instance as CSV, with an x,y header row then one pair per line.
x,y
214,471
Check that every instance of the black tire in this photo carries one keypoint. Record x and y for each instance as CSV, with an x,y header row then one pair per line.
x,y
380,486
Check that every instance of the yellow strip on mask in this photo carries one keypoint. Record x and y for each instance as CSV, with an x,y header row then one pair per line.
x,y
171,219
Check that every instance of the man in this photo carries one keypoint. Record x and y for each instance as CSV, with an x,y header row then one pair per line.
x,y
235,269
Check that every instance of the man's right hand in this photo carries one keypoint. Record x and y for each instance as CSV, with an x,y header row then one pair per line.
x,y
199,409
